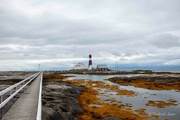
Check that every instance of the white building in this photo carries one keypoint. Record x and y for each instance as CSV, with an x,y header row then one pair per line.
x,y
79,66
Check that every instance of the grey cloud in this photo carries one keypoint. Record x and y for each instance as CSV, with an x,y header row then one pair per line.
x,y
130,32
166,41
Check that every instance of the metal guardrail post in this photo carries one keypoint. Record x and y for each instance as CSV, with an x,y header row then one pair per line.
x,y
1,108
10,93
39,109
1,98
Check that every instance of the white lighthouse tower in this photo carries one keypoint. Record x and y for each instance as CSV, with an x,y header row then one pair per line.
x,y
90,62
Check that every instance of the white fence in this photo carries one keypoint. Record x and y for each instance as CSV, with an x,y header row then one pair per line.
x,y
14,90
39,110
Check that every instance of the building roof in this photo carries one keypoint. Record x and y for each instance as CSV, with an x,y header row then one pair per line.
x,y
102,66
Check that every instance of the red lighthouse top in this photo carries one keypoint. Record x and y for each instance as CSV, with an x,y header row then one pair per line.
x,y
90,55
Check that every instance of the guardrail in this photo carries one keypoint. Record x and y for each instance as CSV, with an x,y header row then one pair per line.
x,y
39,110
14,90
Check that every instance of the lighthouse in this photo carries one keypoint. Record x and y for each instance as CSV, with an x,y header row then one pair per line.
x,y
90,62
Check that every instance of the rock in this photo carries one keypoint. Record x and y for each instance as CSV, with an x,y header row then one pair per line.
x,y
77,110
58,101
112,118
46,93
73,100
64,107
50,114
56,94
67,116
55,87
44,102
62,98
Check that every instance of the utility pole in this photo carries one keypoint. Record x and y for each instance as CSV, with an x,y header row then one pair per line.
x,y
116,65
39,67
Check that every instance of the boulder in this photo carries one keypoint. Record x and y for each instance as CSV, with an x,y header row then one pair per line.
x,y
50,114
67,116
77,110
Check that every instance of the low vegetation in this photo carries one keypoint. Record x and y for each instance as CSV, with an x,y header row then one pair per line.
x,y
152,84
162,104
99,85
97,109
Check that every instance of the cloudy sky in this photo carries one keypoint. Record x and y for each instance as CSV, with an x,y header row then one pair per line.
x,y
57,34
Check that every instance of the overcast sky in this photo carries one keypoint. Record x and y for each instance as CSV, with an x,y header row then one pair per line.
x,y
61,33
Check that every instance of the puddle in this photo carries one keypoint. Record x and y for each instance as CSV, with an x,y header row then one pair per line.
x,y
95,105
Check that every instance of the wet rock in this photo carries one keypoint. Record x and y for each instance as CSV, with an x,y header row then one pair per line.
x,y
56,87
64,107
77,110
67,116
74,100
50,114
62,98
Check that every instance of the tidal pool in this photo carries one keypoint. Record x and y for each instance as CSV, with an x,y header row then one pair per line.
x,y
142,97
96,77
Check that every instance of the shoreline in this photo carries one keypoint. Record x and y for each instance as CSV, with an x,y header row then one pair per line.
x,y
112,72
63,99
149,82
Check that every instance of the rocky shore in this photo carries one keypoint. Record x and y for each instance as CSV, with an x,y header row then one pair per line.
x,y
150,78
9,78
113,72
60,99
72,100
152,82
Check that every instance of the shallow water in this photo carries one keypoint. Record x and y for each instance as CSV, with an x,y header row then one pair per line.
x,y
96,77
143,96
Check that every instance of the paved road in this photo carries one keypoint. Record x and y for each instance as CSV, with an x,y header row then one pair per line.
x,y
25,108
